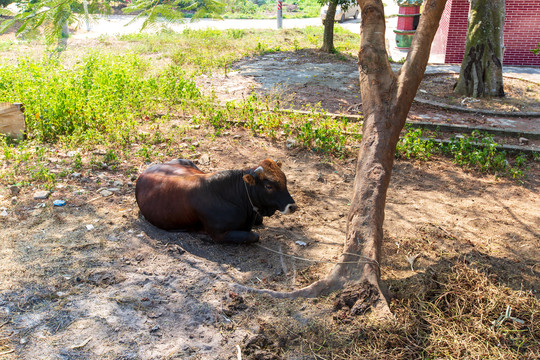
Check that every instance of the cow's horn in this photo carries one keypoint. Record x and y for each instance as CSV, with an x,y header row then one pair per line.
x,y
258,170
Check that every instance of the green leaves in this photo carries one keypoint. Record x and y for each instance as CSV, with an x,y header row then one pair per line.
x,y
52,16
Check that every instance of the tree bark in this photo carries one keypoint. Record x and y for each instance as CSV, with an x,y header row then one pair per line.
x,y
386,100
481,69
328,36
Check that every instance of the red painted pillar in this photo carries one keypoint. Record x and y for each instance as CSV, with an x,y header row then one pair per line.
x,y
408,19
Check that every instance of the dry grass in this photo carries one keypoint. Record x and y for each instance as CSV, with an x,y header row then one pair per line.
x,y
448,312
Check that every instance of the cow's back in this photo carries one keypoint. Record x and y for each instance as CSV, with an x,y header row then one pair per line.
x,y
165,195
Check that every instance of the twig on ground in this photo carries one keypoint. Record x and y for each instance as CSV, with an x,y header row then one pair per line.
x,y
283,265
5,323
239,354
83,344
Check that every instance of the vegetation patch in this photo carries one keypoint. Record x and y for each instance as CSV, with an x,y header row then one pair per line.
x,y
476,151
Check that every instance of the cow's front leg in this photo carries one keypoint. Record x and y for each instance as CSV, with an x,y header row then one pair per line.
x,y
236,237
258,219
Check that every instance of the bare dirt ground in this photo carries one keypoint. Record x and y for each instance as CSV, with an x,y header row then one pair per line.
x,y
93,280
309,78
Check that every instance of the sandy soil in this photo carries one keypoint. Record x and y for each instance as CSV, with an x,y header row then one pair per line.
x,y
93,280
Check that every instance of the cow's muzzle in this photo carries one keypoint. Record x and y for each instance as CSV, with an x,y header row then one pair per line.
x,y
289,209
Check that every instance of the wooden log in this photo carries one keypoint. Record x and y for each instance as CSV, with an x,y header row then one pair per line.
x,y
12,121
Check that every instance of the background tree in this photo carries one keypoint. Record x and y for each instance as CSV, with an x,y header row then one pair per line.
x,y
328,35
5,2
481,69
386,100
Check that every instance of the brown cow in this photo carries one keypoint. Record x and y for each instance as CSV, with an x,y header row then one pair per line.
x,y
225,204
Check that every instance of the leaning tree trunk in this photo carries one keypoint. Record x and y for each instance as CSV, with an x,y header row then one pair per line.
x,y
328,36
386,100
481,69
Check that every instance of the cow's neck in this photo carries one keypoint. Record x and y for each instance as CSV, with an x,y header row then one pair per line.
x,y
236,188
255,209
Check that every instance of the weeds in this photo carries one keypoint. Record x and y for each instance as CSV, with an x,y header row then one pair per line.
x,y
477,151
413,145
98,99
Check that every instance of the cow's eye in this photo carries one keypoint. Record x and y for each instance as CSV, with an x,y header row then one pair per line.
x,y
268,186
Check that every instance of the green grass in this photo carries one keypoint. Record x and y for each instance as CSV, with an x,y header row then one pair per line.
x,y
477,151
266,9
95,97
209,51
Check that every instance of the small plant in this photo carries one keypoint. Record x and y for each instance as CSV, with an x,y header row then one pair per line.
x,y
478,151
110,158
218,120
77,163
236,33
39,172
145,153
413,145
96,163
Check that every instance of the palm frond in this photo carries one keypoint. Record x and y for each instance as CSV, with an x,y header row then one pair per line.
x,y
141,5
170,14
6,12
210,8
57,19
5,25
151,20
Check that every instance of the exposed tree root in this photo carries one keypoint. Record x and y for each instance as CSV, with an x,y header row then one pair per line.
x,y
362,280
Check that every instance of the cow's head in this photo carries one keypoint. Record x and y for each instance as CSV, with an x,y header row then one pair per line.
x,y
269,189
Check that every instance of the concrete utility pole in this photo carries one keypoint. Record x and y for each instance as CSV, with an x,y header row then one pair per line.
x,y
279,14
85,7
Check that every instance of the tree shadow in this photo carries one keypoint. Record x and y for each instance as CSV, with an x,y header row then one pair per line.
x,y
471,212
104,285
257,261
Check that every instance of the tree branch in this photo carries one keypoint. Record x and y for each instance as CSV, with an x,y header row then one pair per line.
x,y
412,71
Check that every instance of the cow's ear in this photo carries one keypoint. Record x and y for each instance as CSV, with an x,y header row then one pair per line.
x,y
250,180
278,163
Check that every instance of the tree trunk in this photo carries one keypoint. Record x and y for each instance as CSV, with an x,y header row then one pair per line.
x,y
386,100
328,36
481,69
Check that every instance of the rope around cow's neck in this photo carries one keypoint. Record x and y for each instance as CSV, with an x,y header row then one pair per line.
x,y
361,258
249,198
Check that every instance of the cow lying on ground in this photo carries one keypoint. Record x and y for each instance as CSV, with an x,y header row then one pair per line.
x,y
225,204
